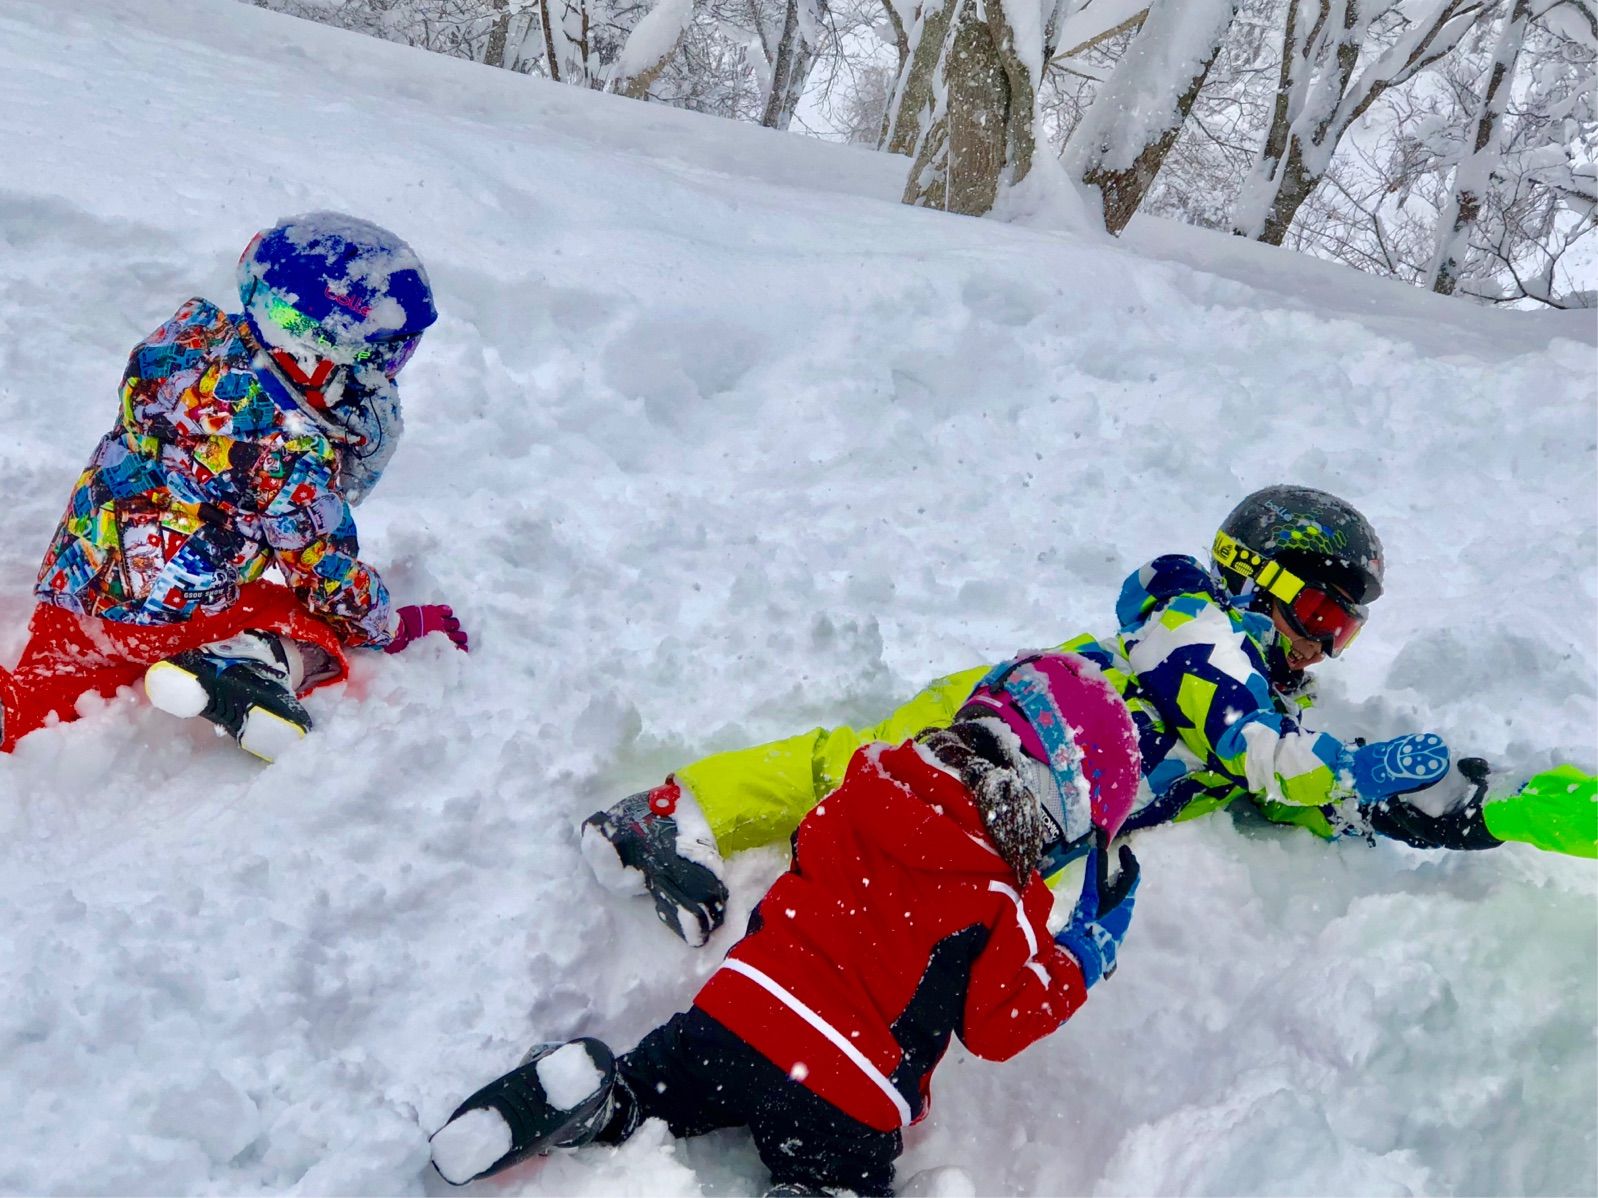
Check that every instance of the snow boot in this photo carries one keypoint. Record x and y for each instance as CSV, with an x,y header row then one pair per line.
x,y
244,685
660,838
561,1096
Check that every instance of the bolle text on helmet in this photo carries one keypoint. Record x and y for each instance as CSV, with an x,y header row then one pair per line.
x,y
347,301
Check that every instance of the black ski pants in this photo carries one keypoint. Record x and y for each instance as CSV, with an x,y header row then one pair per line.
x,y
699,1077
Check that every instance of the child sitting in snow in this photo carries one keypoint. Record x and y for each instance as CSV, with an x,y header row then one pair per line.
x,y
914,910
242,442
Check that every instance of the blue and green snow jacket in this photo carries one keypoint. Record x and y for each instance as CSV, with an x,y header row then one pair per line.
x,y
1196,671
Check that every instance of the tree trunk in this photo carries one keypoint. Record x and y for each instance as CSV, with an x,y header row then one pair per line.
x,y
636,87
650,47
1474,174
1123,190
498,33
1022,79
1295,183
1138,114
551,52
913,101
901,36
1298,178
790,68
1322,109
1258,192
960,157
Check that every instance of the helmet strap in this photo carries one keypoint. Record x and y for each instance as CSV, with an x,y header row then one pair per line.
x,y
312,385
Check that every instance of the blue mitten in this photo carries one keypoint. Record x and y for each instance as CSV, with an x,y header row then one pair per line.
x,y
1398,766
1102,914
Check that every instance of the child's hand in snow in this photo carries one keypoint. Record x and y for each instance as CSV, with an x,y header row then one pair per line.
x,y
1399,766
1102,914
417,620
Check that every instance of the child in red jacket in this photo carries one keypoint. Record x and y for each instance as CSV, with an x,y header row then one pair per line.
x,y
913,910
241,443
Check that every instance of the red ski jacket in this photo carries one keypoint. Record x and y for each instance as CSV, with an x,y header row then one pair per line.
x,y
896,926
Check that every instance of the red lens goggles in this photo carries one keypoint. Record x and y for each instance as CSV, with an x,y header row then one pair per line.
x,y
1324,617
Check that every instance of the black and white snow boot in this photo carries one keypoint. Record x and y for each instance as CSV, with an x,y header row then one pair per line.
x,y
659,840
561,1096
244,685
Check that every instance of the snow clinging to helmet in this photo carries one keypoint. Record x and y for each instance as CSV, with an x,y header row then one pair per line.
x,y
337,306
328,286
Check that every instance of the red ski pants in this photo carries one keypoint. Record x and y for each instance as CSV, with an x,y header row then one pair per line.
x,y
68,655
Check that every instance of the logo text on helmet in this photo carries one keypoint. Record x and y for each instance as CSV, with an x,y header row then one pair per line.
x,y
347,301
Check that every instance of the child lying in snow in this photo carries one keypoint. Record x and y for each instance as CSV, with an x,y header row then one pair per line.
x,y
1212,659
242,442
913,911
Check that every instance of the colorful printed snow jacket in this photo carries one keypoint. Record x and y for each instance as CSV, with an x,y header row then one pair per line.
x,y
1193,669
897,925
211,474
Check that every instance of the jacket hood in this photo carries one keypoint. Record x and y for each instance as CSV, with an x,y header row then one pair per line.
x,y
949,835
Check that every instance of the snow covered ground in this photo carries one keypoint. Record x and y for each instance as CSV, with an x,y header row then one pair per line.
x,y
714,442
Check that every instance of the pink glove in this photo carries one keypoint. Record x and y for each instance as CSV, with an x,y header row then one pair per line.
x,y
417,620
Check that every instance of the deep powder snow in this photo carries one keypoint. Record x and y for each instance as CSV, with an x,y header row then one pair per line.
x,y
713,442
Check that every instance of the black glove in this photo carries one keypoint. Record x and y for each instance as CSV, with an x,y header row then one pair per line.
x,y
690,897
1460,827
1102,914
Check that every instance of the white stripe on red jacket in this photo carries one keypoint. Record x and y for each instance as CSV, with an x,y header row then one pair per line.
x,y
896,926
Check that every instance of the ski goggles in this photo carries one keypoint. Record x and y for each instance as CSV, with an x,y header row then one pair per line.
x,y
1312,612
1322,616
391,355
388,355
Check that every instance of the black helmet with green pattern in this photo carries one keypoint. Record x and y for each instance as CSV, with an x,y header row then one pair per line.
x,y
1284,537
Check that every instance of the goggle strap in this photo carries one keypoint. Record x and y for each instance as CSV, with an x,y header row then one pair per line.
x,y
1270,577
1284,584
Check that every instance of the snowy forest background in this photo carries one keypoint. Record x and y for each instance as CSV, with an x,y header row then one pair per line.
x,y
1447,143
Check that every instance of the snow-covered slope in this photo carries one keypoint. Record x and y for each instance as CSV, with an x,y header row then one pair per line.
x,y
714,442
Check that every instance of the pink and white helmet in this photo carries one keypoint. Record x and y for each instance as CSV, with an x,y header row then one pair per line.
x,y
1068,716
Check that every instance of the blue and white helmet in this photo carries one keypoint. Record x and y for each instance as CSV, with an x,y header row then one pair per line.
x,y
338,305
328,287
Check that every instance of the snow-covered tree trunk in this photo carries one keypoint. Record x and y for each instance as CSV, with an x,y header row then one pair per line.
x,y
1018,36
791,63
553,49
568,43
650,47
498,34
1138,112
1320,48
978,134
1324,96
1474,174
1258,192
909,115
961,144
900,21
1076,26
